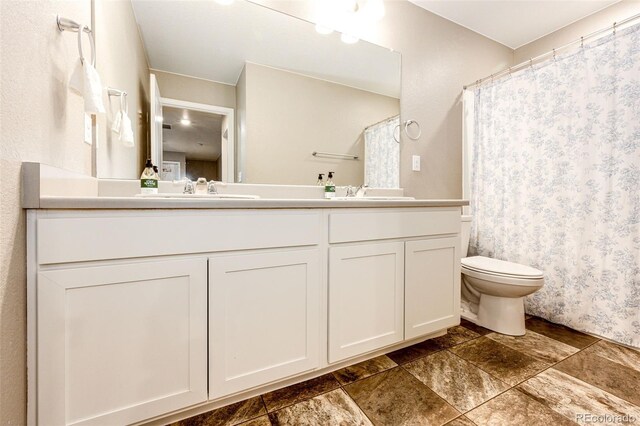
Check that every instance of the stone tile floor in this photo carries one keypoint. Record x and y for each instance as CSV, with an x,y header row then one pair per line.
x,y
553,375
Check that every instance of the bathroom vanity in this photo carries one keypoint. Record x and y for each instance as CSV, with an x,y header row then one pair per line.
x,y
142,308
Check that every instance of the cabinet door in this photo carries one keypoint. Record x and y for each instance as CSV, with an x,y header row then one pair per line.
x,y
264,318
432,285
121,343
366,298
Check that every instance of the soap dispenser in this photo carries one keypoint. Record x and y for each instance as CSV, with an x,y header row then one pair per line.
x,y
320,179
148,179
329,187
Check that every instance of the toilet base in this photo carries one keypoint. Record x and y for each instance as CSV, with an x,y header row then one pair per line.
x,y
502,314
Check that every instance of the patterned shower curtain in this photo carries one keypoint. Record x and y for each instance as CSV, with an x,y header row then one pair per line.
x,y
555,182
382,155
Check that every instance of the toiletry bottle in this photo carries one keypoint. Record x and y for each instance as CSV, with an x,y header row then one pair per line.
x,y
329,187
155,170
148,179
320,179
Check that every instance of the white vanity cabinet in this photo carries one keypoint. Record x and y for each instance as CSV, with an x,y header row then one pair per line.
x,y
366,298
137,314
432,285
264,320
382,292
120,343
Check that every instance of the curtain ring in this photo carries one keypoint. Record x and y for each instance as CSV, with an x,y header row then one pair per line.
x,y
531,63
582,42
406,129
554,53
615,24
81,29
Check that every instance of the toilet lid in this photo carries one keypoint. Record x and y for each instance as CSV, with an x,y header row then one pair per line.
x,y
500,267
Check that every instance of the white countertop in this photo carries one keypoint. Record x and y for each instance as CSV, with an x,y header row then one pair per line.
x,y
56,202
46,187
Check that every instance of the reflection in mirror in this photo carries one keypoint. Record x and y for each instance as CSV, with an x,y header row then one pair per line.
x,y
196,140
191,144
292,90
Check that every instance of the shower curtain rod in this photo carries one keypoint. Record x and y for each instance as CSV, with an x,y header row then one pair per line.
x,y
382,121
552,52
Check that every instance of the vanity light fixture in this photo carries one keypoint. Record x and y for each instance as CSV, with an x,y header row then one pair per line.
x,y
185,122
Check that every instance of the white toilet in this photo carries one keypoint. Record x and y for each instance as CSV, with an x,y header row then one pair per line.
x,y
493,290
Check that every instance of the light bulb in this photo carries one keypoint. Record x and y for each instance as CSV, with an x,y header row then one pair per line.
x,y
185,122
348,39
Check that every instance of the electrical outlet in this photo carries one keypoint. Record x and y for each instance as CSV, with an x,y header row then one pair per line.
x,y
415,166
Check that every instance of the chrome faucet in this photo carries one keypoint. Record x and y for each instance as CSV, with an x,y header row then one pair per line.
x,y
189,188
211,187
362,188
351,191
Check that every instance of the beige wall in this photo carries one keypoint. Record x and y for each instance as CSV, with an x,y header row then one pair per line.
x,y
40,120
185,88
438,58
595,22
290,115
122,64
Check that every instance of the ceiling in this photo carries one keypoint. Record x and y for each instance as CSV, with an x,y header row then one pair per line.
x,y
207,40
201,140
514,23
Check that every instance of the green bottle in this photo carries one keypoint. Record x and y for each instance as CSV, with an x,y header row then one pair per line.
x,y
148,180
329,187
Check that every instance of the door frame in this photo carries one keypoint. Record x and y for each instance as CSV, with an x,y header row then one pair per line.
x,y
227,172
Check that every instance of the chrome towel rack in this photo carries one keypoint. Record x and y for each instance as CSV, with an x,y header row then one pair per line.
x,y
334,154
66,24
124,107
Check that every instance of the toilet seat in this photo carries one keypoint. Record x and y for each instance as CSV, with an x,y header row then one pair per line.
x,y
500,268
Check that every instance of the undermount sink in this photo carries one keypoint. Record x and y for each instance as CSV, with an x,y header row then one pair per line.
x,y
374,198
200,196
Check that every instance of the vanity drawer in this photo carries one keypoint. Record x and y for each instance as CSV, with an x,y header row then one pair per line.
x,y
378,225
130,234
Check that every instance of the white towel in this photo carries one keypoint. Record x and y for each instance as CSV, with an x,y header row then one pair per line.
x,y
85,81
126,131
117,123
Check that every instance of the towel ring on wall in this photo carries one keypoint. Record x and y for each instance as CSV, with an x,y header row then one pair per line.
x,y
406,125
406,129
66,24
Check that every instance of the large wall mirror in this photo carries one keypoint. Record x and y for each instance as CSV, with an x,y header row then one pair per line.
x,y
243,93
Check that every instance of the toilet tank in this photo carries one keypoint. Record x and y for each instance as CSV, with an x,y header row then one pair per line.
x,y
465,233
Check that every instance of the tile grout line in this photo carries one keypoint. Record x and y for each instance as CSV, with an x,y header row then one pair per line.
x,y
514,387
442,348
587,383
519,383
352,399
